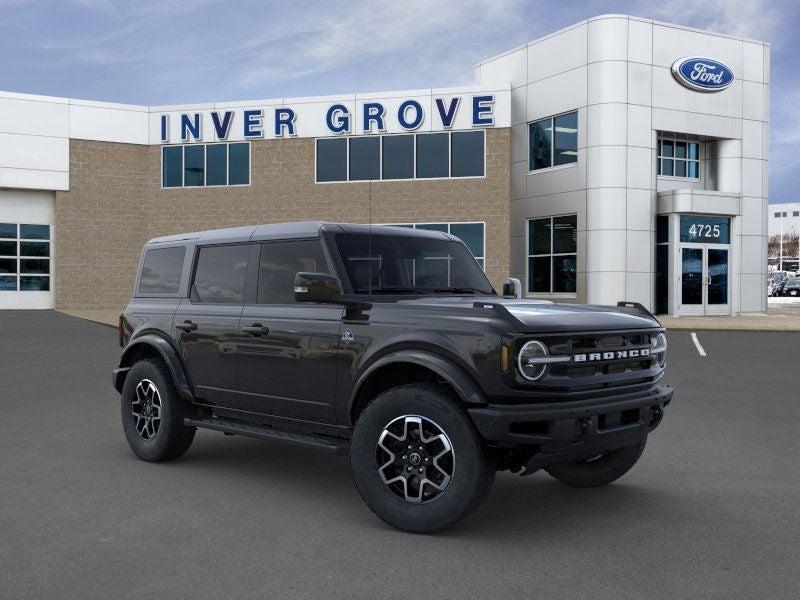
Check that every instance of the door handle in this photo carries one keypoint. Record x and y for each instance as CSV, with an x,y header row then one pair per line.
x,y
187,325
256,329
708,279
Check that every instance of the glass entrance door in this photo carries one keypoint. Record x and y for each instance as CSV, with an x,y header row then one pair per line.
x,y
717,294
703,282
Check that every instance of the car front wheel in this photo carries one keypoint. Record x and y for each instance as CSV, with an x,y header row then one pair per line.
x,y
417,459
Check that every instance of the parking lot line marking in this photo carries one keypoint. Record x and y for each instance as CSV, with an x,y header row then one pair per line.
x,y
697,345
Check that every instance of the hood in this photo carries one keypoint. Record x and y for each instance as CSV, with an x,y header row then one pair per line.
x,y
541,316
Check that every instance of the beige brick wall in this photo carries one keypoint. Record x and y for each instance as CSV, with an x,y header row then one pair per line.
x,y
115,204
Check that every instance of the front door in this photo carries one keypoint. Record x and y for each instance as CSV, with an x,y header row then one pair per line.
x,y
703,283
288,351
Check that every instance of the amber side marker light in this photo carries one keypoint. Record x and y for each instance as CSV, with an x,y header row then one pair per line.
x,y
504,353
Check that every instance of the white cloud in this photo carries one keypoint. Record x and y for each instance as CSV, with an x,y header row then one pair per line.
x,y
415,30
757,19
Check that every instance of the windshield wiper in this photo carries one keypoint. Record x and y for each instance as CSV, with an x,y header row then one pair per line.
x,y
461,290
398,289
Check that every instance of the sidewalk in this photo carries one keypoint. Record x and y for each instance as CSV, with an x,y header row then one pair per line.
x,y
783,314
768,322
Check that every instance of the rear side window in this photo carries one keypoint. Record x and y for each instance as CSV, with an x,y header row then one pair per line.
x,y
161,271
220,274
280,262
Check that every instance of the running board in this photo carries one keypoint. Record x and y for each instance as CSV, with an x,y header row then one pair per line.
x,y
331,444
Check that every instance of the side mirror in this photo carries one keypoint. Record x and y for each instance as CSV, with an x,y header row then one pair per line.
x,y
317,287
512,288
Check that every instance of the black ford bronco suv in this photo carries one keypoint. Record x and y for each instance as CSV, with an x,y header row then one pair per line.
x,y
390,345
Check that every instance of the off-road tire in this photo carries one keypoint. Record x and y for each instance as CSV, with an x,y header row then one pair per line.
x,y
172,438
601,470
473,469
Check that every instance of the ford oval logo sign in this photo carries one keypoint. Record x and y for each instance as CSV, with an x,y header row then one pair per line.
x,y
702,74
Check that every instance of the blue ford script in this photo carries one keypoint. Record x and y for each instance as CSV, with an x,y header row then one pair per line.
x,y
702,74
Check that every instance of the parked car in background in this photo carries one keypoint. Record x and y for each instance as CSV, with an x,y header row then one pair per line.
x,y
791,287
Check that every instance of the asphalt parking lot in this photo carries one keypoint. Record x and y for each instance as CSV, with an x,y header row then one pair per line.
x,y
709,512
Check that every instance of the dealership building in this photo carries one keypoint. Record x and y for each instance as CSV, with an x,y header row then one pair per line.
x,y
617,159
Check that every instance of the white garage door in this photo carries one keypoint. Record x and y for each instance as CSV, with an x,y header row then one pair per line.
x,y
26,249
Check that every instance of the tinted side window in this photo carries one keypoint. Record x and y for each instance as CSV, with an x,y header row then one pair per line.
x,y
280,262
161,271
220,274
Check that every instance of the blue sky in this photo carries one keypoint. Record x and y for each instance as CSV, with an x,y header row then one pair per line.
x,y
149,52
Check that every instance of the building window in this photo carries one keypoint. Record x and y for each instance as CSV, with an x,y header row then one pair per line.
x,y
777,215
24,257
472,234
796,213
678,158
553,141
553,255
365,156
397,161
332,160
466,154
405,156
202,165
433,155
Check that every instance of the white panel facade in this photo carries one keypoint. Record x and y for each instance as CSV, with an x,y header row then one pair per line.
x,y
615,71
126,125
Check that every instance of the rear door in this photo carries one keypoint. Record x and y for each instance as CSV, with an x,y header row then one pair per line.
x,y
288,350
206,324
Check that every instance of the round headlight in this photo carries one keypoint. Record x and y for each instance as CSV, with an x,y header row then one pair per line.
x,y
528,360
660,348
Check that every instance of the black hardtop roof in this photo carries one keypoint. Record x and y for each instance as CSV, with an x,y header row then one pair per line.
x,y
290,230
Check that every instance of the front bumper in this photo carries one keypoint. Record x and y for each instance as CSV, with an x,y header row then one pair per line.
x,y
563,432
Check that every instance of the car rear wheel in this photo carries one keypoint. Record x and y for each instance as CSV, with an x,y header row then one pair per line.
x,y
598,470
153,413
417,459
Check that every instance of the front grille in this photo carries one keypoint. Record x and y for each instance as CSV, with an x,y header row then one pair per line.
x,y
602,344
616,368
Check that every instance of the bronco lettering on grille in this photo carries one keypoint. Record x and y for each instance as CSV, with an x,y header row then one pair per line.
x,y
616,355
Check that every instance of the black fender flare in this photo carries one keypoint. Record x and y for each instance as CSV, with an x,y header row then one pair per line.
x,y
464,386
166,351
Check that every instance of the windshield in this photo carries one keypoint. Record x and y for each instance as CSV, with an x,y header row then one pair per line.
x,y
409,264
